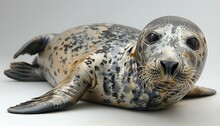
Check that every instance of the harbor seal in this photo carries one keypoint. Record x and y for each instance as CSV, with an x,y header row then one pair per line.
x,y
115,65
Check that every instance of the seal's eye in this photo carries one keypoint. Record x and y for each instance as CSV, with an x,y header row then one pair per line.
x,y
152,38
193,43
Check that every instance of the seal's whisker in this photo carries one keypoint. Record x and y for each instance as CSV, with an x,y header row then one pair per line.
x,y
141,66
168,20
161,23
184,23
188,26
164,21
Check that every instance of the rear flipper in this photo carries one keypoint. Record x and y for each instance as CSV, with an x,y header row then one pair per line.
x,y
200,92
35,45
26,72
22,71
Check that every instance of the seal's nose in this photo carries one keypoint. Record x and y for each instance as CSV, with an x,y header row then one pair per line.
x,y
169,67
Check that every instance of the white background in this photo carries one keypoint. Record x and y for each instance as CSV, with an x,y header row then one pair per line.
x,y
21,20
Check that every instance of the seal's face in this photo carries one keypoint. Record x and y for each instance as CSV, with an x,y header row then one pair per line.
x,y
171,51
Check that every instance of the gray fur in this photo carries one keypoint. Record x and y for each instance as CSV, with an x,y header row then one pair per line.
x,y
112,64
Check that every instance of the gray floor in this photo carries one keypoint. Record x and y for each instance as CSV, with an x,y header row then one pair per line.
x,y
24,19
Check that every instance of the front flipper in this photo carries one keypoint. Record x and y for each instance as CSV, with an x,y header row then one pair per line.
x,y
68,93
200,92
40,105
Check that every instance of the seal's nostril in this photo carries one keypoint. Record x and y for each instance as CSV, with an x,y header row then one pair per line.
x,y
169,67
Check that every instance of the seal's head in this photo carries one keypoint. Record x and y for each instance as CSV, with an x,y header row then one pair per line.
x,y
171,51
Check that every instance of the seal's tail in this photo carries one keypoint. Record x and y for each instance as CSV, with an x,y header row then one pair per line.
x,y
29,72
22,71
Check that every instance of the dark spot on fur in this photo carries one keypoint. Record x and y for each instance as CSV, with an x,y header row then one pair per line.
x,y
55,48
66,39
129,51
84,82
65,72
93,60
122,96
120,100
64,60
115,95
108,34
66,48
105,55
55,73
77,76
107,101
103,62
91,71
76,49
49,47
106,87
97,68
88,62
50,58
135,100
118,69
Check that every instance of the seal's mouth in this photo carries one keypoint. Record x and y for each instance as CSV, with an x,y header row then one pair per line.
x,y
167,82
167,79
151,74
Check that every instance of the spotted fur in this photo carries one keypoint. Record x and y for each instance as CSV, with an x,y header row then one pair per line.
x,y
118,67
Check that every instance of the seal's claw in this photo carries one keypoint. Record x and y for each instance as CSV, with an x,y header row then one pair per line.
x,y
200,92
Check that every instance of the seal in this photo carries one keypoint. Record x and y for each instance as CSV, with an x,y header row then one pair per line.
x,y
115,65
